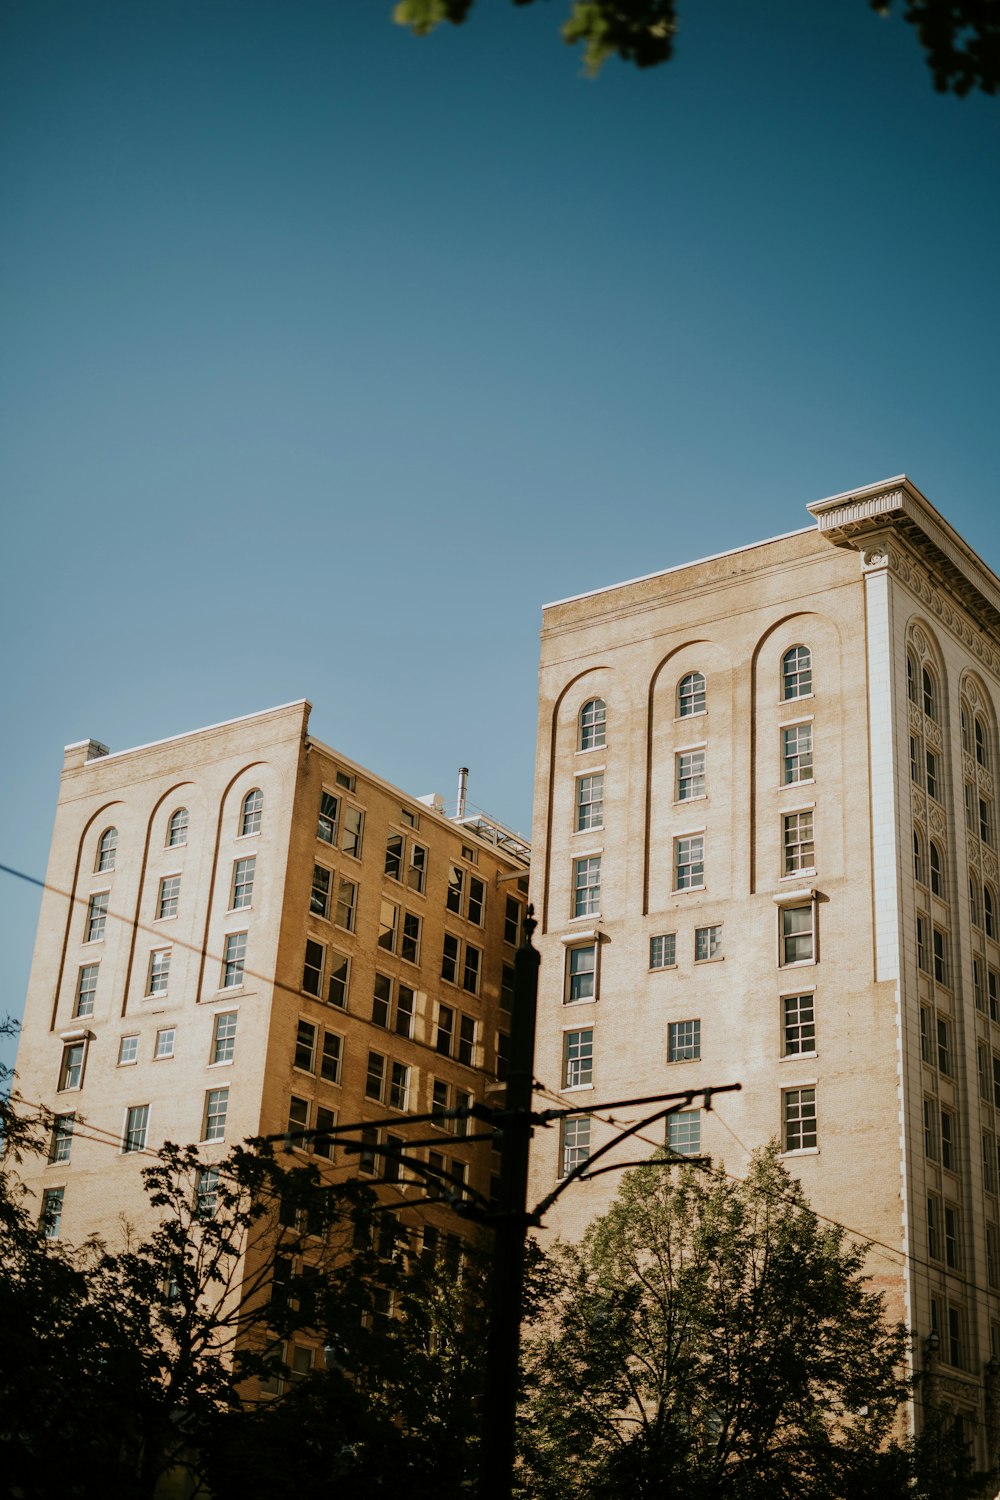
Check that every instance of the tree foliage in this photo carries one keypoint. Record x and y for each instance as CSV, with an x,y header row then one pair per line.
x,y
960,38
718,1341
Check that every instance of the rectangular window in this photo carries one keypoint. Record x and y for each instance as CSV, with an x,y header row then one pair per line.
x,y
216,1107
996,1081
312,971
224,1037
409,943
326,829
986,821
944,1045
796,753
159,971
992,1256
949,1142
663,951
347,780
353,832
503,1054
982,1068
347,896
71,1066
574,1145
587,886
298,1119
923,951
52,1209
128,1051
97,916
326,1120
799,1024
456,885
375,1076
683,1041
512,921
477,900
926,1045
799,1119
170,892
707,943
914,761
394,856
689,863
86,990
332,1057
970,815
440,1103
449,959
989,1164
416,874
388,919
319,895
930,1130
798,944
977,983
136,1127
952,1237
689,775
933,1226
933,776
581,973
233,960
340,973
470,971
799,848
684,1132
305,1047
445,1030
61,1139
578,1057
368,1154
382,1001
164,1043
466,1040
399,1084
409,817
941,967
590,802
405,1002
507,987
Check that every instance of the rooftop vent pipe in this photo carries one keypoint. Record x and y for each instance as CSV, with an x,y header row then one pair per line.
x,y
463,784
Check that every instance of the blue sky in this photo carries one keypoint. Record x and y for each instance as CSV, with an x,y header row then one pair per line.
x,y
331,353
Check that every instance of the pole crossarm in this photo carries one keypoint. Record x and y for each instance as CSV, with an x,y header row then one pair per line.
x,y
583,1169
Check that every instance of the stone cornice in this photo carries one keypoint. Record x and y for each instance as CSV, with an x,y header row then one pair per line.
x,y
896,507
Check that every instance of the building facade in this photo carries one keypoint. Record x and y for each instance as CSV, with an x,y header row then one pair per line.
x,y
242,933
765,853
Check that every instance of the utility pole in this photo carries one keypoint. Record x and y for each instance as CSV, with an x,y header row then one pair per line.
x,y
510,1234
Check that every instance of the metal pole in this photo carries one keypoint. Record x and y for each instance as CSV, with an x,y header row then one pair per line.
x,y
507,1275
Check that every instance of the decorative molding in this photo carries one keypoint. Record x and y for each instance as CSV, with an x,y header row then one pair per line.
x,y
918,803
938,821
991,868
933,735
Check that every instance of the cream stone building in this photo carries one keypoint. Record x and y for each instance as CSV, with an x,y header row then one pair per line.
x,y
765,852
244,932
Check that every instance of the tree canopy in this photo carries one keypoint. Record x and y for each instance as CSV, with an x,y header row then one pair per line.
x,y
960,38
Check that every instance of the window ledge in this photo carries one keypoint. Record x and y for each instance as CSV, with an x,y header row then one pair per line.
x,y
582,936
685,890
788,1057
683,801
716,958
663,969
787,786
699,713
800,1151
593,828
587,916
577,1088
801,893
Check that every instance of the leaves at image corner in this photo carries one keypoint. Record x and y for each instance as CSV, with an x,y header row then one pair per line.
x,y
960,38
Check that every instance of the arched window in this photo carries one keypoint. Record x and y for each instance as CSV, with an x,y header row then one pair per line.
x,y
177,828
989,912
911,678
982,753
937,870
918,859
975,910
796,673
593,725
106,849
929,694
963,718
691,695
253,804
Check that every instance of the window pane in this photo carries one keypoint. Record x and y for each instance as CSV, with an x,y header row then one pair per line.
x,y
587,886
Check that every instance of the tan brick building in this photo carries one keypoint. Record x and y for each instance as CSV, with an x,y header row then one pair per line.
x,y
244,932
765,852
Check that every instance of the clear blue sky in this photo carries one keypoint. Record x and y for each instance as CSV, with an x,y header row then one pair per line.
x,y
329,354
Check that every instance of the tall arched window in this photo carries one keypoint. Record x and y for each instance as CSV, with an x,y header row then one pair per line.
x,y
975,910
936,862
911,678
982,750
963,718
177,828
796,673
918,859
929,695
593,725
691,697
253,804
989,912
106,849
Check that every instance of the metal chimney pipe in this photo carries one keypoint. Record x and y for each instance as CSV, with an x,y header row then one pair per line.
x,y
463,784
